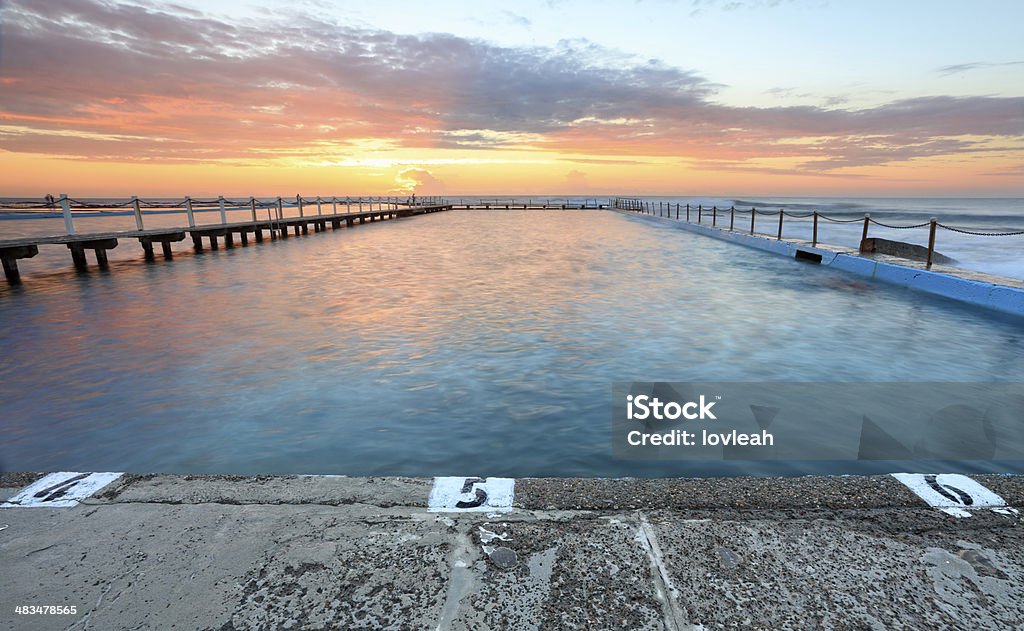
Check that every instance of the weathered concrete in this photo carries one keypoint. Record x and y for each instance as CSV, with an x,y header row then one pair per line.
x,y
223,553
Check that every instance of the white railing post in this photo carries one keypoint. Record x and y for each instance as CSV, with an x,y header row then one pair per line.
x,y
334,205
223,212
280,209
348,204
298,200
318,211
252,205
138,212
188,211
65,206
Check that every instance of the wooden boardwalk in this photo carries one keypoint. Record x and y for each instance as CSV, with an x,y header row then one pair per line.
x,y
274,228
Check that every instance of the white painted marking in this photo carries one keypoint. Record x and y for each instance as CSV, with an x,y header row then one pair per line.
x,y
952,493
471,495
60,490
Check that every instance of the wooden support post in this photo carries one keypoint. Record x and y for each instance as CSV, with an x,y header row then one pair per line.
x,y
687,212
931,240
864,234
814,231
223,211
10,255
753,213
166,247
213,242
677,212
188,211
781,214
229,239
197,242
65,206
78,256
714,216
11,270
245,237
138,214
732,217
147,247
700,213
101,257
259,234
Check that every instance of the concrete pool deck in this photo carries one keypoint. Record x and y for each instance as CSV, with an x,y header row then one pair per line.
x,y
293,552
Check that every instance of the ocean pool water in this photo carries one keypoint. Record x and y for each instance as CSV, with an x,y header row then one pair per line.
x,y
459,343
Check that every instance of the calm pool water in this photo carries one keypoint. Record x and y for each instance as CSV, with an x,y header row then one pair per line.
x,y
476,342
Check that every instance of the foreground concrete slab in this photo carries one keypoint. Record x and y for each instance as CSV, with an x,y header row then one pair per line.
x,y
228,553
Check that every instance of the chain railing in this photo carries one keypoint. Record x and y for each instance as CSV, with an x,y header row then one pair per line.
x,y
683,212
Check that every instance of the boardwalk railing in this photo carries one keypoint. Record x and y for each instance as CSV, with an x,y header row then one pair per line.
x,y
714,215
261,215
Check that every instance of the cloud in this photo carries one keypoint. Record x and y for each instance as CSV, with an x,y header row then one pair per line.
x,y
419,181
602,161
576,182
103,81
974,65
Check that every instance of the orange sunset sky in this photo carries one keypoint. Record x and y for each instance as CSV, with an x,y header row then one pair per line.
x,y
236,98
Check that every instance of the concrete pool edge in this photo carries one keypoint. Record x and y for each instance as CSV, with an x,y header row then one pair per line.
x,y
983,290
223,553
828,492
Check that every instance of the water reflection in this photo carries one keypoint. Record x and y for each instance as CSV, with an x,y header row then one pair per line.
x,y
453,343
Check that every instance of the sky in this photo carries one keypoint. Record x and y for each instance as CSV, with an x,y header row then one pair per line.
x,y
692,97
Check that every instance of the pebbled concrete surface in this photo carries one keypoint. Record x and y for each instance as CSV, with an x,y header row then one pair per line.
x,y
227,553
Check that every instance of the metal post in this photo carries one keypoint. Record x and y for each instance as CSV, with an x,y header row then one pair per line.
x,y
931,241
781,213
732,217
714,216
700,212
65,206
864,235
687,211
677,211
753,213
138,212
223,213
188,211
814,232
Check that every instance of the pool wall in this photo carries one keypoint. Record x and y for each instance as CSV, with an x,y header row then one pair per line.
x,y
1004,298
